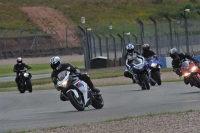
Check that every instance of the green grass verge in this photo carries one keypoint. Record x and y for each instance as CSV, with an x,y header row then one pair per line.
x,y
7,70
111,120
11,86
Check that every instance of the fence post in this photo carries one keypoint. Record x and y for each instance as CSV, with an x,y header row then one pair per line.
x,y
107,51
5,48
122,44
51,34
84,47
100,47
90,45
186,33
141,32
155,24
170,28
67,44
21,31
115,51
36,45
93,38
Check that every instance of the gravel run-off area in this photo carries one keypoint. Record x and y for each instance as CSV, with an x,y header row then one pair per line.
x,y
187,122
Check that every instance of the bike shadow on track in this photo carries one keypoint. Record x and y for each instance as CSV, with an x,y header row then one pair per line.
x,y
71,111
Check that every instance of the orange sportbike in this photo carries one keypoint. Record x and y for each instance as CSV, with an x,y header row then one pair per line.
x,y
191,72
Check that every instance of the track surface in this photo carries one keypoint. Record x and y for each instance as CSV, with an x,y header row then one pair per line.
x,y
42,109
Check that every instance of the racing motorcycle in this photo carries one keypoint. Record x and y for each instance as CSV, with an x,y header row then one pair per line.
x,y
25,81
154,70
191,72
139,70
77,91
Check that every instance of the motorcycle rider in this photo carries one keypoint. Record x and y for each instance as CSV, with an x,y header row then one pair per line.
x,y
177,58
147,52
128,59
20,66
57,67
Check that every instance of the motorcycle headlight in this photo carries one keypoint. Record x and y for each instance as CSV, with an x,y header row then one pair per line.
x,y
186,74
26,75
64,83
193,68
153,64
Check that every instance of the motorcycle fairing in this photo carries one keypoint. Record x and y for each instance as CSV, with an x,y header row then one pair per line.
x,y
83,87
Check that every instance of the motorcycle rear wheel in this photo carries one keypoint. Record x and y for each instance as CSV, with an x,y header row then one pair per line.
x,y
98,102
77,103
145,81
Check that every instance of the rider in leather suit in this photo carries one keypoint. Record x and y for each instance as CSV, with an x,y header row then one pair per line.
x,y
19,66
57,67
129,52
147,52
177,59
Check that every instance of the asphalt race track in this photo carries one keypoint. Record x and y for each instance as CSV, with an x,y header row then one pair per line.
x,y
42,109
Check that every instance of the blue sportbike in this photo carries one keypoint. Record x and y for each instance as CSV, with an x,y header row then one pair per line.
x,y
140,74
154,70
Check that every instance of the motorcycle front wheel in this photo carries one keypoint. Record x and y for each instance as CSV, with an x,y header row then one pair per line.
x,y
145,81
29,85
76,102
157,77
98,102
196,80
21,89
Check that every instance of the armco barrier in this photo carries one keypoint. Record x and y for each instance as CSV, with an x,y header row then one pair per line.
x,y
166,61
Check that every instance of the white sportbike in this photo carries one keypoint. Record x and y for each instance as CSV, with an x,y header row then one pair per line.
x,y
77,91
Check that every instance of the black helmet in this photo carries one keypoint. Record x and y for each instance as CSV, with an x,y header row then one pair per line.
x,y
173,53
146,47
19,60
55,63
130,48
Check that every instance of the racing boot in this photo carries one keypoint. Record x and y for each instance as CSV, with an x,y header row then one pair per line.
x,y
186,81
95,90
91,85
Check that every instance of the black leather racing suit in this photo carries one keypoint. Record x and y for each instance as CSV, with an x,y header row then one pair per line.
x,y
83,77
17,68
176,64
147,54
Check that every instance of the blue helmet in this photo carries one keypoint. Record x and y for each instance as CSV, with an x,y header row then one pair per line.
x,y
130,48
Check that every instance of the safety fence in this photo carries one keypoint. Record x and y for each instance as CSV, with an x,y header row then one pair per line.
x,y
110,41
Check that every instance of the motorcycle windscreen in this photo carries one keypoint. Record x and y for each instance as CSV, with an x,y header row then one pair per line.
x,y
138,63
62,75
150,58
185,65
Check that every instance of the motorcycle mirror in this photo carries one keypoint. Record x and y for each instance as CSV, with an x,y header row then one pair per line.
x,y
193,56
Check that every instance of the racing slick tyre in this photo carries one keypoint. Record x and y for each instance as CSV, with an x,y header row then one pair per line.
x,y
145,81
98,102
76,102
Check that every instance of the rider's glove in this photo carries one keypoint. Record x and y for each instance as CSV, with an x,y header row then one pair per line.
x,y
155,56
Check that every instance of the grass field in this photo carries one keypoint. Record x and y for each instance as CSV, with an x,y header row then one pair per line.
x,y
7,70
95,11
